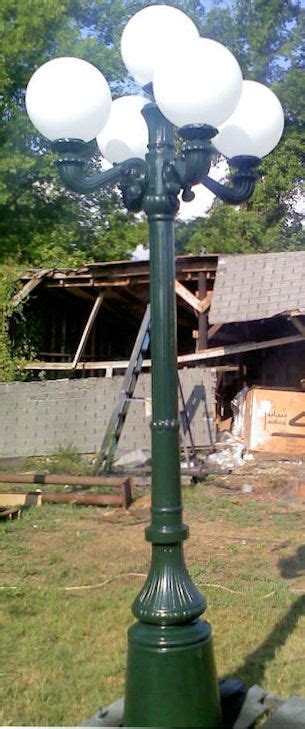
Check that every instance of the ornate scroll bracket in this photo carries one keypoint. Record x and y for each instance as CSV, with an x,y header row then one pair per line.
x,y
242,183
187,170
130,175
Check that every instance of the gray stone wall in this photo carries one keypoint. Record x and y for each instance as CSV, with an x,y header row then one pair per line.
x,y
37,418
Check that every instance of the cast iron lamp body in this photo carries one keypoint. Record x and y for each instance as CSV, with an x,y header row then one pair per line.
x,y
171,676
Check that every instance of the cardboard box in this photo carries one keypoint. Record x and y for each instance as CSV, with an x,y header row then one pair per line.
x,y
275,420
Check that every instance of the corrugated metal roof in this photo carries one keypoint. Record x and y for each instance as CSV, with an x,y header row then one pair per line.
x,y
258,286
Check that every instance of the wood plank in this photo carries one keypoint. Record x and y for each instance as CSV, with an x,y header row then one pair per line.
x,y
100,365
85,283
29,287
100,284
206,303
186,295
202,341
213,329
297,324
238,348
182,359
78,293
87,330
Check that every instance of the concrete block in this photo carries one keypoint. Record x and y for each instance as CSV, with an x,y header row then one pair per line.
x,y
291,715
252,708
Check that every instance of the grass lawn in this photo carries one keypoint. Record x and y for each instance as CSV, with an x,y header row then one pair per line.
x,y
63,651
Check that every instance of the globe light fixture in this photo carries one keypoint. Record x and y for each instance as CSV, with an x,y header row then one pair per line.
x,y
152,33
68,98
195,93
256,125
202,85
125,134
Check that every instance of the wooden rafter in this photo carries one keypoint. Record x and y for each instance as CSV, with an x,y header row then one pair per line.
x,y
80,294
29,287
193,301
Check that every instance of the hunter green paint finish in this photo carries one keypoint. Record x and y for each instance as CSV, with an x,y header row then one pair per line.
x,y
169,596
170,663
171,675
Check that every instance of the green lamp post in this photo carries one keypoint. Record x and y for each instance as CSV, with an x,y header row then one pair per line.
x,y
193,94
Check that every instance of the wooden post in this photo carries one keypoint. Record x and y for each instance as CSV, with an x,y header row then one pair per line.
x,y
202,341
93,346
63,334
87,329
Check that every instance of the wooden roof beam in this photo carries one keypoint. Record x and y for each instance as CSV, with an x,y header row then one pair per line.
x,y
200,306
80,294
29,287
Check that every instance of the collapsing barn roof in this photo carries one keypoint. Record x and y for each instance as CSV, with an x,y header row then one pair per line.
x,y
258,286
248,290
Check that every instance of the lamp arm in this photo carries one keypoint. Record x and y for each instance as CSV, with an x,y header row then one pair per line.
x,y
242,183
237,194
75,179
131,174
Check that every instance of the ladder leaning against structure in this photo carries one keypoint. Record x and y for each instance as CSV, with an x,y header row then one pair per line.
x,y
115,426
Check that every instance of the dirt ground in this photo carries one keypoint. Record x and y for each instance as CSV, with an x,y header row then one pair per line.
x,y
269,476
117,535
278,482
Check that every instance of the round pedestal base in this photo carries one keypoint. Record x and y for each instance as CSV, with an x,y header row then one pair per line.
x,y
171,677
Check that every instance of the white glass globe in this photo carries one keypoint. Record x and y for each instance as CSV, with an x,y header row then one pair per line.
x,y
152,33
68,98
200,84
255,126
126,133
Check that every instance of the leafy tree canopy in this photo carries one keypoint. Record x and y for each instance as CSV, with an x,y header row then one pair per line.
x,y
266,37
40,222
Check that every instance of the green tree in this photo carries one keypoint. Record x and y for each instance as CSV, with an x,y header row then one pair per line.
x,y
267,40
40,222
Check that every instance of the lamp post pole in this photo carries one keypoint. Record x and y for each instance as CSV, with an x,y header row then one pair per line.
x,y
171,676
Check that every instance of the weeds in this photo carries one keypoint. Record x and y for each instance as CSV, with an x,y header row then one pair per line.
x,y
65,460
